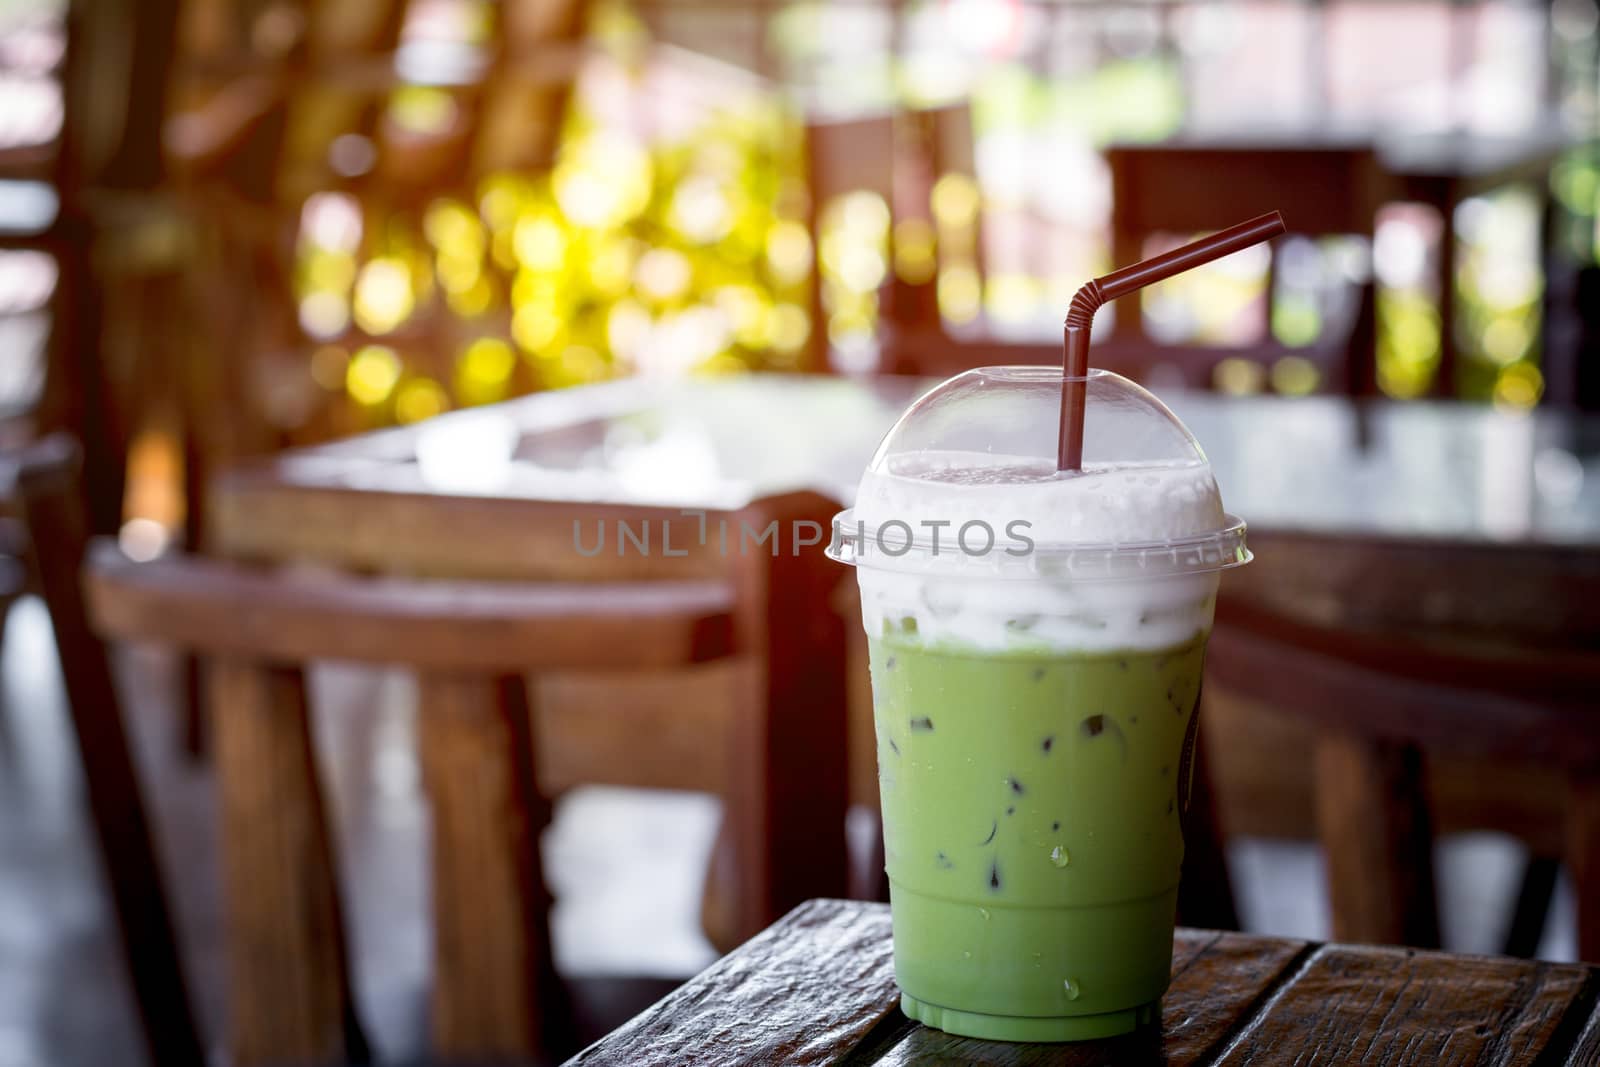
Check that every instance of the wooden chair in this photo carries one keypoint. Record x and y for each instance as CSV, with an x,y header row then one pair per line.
x,y
471,645
1387,689
899,156
46,476
1180,189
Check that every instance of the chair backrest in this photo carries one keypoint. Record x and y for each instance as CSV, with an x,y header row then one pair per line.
x,y
899,157
1410,674
470,644
1179,188
222,609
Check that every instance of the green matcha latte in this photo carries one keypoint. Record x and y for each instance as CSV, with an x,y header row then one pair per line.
x,y
1034,698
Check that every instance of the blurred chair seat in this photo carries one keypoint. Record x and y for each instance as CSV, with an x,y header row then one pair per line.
x,y
471,645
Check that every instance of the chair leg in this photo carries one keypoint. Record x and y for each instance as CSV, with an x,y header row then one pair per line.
x,y
719,900
1372,819
1537,886
56,522
289,986
495,991
1583,858
869,880
1205,895
790,780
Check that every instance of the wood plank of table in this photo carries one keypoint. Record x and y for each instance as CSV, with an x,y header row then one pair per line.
x,y
800,992
818,987
1396,1005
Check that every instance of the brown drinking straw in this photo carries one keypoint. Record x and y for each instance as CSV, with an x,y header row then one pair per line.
x,y
1089,299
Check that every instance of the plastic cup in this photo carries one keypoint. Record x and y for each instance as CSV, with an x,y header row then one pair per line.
x,y
1036,640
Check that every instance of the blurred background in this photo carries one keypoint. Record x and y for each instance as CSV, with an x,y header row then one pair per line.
x,y
234,227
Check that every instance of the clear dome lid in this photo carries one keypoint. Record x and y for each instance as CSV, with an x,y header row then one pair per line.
x,y
967,479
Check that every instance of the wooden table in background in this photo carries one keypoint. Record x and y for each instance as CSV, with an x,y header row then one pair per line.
x,y
818,988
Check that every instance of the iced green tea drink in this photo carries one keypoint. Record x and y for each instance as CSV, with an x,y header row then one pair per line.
x,y
1036,647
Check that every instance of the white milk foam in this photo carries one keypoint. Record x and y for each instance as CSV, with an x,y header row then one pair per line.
x,y
990,603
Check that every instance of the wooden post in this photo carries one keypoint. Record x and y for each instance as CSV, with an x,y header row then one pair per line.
x,y
1447,382
49,482
1127,239
1372,818
289,988
790,784
495,992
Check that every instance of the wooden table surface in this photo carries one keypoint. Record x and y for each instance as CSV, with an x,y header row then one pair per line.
x,y
818,988
1417,471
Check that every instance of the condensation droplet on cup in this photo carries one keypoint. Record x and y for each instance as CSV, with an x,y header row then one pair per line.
x,y
1071,986
985,913
966,955
1059,857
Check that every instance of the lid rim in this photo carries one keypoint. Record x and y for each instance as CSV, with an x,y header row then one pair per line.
x,y
1236,529
1188,556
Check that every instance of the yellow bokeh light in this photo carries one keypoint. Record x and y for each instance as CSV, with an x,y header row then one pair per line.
x,y
1012,297
1408,343
473,300
329,272
611,267
1296,322
701,210
422,109
603,180
535,327
372,373
540,243
383,297
451,226
789,252
420,398
860,267
328,365
324,315
791,327
862,212
955,200
747,309
1294,376
502,198
458,273
628,330
1404,381
1506,339
502,249
959,293
483,371
1238,377
663,273
724,363
1518,387
530,288
577,365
